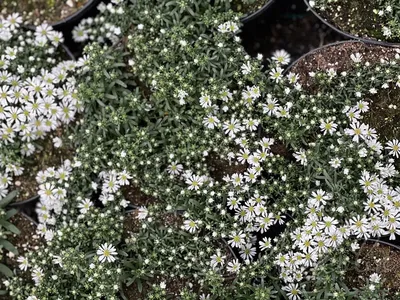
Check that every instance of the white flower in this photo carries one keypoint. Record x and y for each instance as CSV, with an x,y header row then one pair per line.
x,y
23,263
301,157
356,57
211,121
375,278
237,239
265,243
394,147
85,205
233,266
246,68
190,226
106,252
217,260
276,74
174,168
57,142
194,182
292,291
142,213
205,101
37,275
328,127
281,56
335,162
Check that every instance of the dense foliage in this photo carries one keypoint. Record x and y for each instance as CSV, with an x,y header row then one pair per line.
x,y
200,174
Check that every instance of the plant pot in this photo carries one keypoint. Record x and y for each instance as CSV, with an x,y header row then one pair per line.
x,y
28,208
380,257
66,25
256,14
346,34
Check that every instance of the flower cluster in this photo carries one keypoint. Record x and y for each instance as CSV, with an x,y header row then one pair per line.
x,y
37,92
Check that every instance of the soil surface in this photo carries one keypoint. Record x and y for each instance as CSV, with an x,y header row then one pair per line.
x,y
26,241
376,258
384,112
356,17
38,11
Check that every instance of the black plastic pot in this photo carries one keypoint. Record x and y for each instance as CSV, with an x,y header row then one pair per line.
x,y
334,44
346,34
27,208
257,13
68,23
386,242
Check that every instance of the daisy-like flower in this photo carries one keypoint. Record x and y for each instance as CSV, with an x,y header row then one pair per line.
x,y
205,101
375,278
217,260
265,243
37,275
358,130
84,206
190,226
175,168
194,182
246,68
247,252
232,127
272,107
328,127
142,213
292,291
233,266
394,147
106,252
282,57
210,121
356,57
237,239
276,74
335,162
23,263
301,157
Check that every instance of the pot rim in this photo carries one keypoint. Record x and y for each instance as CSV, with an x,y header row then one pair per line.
x,y
383,242
292,64
346,34
77,16
249,17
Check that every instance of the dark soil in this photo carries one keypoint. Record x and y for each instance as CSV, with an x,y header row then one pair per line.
x,y
25,242
37,11
135,196
221,167
355,17
173,288
384,113
338,58
381,116
48,156
376,258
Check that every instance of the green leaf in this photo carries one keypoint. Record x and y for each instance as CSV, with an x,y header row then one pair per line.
x,y
10,247
7,199
10,213
6,270
9,226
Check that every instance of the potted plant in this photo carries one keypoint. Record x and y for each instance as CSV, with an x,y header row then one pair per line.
x,y
38,96
62,15
371,22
